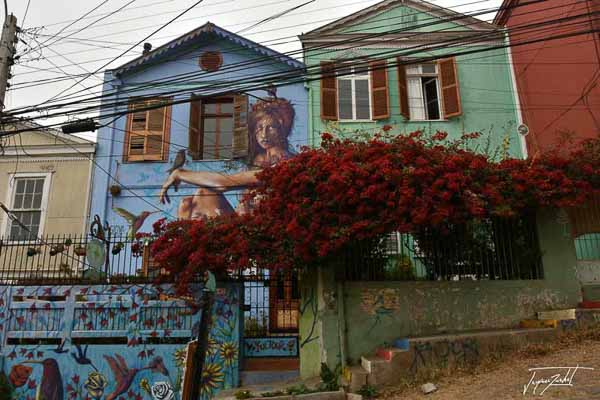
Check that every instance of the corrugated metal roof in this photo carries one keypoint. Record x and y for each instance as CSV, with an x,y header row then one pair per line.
x,y
206,29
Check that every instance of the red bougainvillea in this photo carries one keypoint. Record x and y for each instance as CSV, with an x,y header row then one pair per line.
x,y
313,204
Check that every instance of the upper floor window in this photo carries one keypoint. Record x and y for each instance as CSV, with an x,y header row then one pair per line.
x,y
354,92
147,137
423,91
428,91
219,128
28,203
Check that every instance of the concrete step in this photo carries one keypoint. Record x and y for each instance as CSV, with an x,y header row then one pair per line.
x,y
354,378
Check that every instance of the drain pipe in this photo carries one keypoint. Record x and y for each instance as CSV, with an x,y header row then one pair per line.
x,y
342,325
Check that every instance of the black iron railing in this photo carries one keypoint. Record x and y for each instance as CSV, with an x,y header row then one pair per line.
x,y
496,249
70,259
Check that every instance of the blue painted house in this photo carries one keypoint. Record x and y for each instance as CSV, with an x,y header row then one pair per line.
x,y
214,108
185,129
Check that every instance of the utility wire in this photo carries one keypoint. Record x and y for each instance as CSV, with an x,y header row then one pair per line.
x,y
128,50
488,49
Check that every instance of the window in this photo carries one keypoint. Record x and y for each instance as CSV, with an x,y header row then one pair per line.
x,y
147,137
219,128
28,198
354,96
423,92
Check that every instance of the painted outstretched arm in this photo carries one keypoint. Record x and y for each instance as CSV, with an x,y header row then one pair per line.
x,y
214,181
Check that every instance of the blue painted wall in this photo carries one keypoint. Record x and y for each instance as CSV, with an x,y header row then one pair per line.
x,y
112,342
144,179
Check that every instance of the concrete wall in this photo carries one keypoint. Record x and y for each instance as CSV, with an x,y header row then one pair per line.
x,y
380,312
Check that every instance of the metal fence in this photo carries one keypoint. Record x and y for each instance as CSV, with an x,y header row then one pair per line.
x,y
69,259
497,249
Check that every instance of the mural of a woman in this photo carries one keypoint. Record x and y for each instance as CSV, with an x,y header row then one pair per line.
x,y
270,123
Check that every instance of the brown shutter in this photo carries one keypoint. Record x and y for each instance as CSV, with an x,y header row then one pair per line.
x,y
379,90
403,90
195,133
329,100
450,89
240,126
147,137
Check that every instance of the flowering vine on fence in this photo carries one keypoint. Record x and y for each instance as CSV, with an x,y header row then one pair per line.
x,y
314,204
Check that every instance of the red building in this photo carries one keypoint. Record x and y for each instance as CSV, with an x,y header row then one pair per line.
x,y
555,46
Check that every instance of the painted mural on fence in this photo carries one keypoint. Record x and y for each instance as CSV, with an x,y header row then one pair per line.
x,y
148,365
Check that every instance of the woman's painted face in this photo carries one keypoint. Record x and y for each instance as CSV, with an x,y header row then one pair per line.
x,y
267,133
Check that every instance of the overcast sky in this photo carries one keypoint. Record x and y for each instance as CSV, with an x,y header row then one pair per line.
x,y
97,44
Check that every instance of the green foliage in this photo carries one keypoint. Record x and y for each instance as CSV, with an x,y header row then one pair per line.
x,y
368,391
330,379
273,394
6,389
299,389
243,394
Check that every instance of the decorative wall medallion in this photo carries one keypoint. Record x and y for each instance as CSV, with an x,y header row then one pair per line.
x,y
211,61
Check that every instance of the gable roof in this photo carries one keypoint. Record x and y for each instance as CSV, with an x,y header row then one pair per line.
x,y
504,12
186,42
420,5
41,140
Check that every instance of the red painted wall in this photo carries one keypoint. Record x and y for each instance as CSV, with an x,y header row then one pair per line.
x,y
558,81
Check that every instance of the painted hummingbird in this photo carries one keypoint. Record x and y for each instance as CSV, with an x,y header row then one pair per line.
x,y
51,384
135,221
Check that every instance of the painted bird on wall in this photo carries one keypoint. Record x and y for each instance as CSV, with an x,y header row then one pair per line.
x,y
124,376
135,221
178,162
51,384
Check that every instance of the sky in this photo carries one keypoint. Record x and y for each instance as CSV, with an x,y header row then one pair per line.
x,y
88,50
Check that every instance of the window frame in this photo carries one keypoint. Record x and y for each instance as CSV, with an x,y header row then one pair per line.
x,y
353,78
216,152
129,132
421,75
10,198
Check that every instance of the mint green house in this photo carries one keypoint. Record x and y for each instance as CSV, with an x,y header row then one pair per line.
x,y
412,65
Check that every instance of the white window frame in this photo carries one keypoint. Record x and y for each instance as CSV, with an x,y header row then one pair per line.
x,y
353,78
419,75
10,197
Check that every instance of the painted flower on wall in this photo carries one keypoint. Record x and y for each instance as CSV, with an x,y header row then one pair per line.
x,y
180,355
95,385
229,353
212,378
213,347
145,385
19,374
162,391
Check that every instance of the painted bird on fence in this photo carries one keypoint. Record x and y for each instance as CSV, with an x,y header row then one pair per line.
x,y
51,384
178,162
135,221
81,356
124,376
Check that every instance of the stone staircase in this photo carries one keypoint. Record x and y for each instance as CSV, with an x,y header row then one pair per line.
x,y
390,365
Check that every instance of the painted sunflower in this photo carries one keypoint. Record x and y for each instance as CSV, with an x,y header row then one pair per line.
x,y
212,378
179,356
229,353
213,347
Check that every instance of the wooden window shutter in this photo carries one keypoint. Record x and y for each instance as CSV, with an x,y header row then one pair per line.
x,y
403,90
379,90
195,133
240,126
449,87
147,137
329,98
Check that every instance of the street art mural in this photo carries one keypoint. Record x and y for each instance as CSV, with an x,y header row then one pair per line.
x,y
270,123
112,342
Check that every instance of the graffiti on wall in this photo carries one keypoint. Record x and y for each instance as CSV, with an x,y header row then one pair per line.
x,y
379,304
443,353
271,347
111,342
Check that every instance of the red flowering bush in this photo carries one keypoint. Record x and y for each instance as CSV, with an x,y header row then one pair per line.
x,y
314,204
